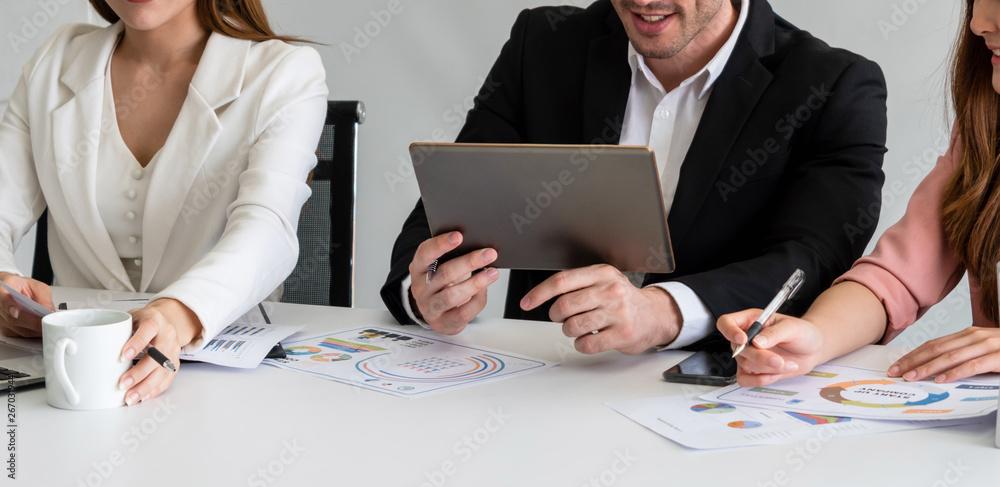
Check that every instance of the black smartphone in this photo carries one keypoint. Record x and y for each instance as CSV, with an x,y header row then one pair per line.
x,y
704,368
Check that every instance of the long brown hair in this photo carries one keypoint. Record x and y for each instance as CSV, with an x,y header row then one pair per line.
x,y
242,19
970,211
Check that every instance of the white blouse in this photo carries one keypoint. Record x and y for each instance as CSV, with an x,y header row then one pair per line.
x,y
122,186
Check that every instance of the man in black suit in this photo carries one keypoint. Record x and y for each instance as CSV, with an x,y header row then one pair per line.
x,y
770,145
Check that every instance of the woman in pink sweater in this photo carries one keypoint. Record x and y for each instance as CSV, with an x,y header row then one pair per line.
x,y
951,225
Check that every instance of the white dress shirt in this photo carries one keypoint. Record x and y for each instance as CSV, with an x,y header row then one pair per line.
x,y
666,122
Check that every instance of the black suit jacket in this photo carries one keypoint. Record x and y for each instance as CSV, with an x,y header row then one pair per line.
x,y
784,171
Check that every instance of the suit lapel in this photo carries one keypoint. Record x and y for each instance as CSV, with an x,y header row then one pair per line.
x,y
606,86
77,129
731,103
217,81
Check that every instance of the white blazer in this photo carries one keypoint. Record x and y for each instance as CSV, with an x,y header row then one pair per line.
x,y
224,199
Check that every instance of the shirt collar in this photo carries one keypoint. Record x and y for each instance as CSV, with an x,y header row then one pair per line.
x,y
710,73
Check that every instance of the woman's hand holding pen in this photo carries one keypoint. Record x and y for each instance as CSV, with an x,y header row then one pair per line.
x,y
168,325
13,322
787,347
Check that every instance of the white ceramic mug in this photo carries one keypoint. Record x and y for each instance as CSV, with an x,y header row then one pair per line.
x,y
82,357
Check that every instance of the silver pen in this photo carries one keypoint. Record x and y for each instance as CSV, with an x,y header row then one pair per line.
x,y
791,286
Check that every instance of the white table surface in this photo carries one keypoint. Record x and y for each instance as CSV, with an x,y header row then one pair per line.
x,y
219,427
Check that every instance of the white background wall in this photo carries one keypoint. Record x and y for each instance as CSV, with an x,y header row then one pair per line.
x,y
418,72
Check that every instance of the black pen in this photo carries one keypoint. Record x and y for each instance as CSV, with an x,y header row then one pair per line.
x,y
161,359
787,291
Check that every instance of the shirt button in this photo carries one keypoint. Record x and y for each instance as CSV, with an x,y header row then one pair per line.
x,y
130,215
138,262
130,194
138,173
663,114
133,240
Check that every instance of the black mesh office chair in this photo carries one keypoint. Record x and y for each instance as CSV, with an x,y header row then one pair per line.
x,y
41,268
324,274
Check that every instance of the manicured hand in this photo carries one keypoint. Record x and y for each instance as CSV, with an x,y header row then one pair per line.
x,y
972,351
786,347
167,325
13,321
453,296
601,299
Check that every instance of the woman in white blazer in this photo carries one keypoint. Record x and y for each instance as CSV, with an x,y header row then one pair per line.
x,y
172,151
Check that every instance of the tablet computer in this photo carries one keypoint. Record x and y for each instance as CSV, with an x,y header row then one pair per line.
x,y
548,207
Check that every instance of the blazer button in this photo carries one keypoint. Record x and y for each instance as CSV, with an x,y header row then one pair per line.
x,y
138,173
130,194
130,215
133,240
138,262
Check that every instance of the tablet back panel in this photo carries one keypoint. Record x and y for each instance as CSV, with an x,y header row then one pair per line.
x,y
548,207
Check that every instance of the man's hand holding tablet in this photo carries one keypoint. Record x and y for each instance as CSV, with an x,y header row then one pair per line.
x,y
455,295
592,299
599,307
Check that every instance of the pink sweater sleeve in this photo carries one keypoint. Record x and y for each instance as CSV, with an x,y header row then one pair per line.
x,y
912,267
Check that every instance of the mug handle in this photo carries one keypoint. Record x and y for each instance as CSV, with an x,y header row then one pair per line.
x,y
64,346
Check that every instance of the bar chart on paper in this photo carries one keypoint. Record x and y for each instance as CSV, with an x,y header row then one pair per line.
x,y
243,346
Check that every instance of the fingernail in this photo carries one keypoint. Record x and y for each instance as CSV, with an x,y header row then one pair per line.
x,y
894,371
144,398
489,255
760,341
525,303
453,238
13,312
775,362
492,274
791,367
132,399
909,375
129,353
125,383
941,378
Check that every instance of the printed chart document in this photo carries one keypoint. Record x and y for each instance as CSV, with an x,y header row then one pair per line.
x,y
399,363
865,393
243,345
696,423
25,303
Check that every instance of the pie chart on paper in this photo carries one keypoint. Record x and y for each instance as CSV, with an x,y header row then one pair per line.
x,y
331,357
713,408
883,393
302,350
